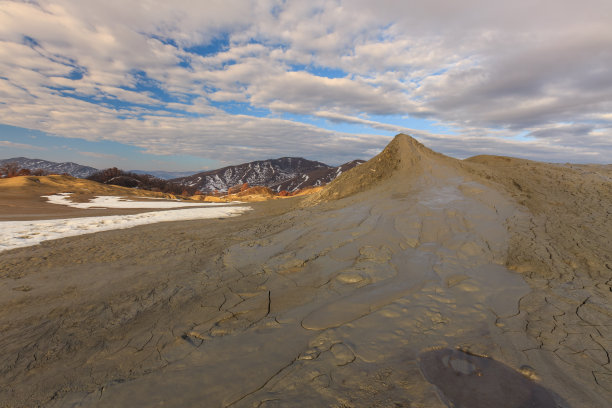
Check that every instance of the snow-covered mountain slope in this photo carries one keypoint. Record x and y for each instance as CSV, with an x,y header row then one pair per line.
x,y
73,169
286,173
258,173
318,177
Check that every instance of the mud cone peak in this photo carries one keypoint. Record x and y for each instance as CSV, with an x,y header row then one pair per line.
x,y
407,140
404,156
409,148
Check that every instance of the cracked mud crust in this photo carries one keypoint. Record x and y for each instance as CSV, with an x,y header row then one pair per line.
x,y
334,304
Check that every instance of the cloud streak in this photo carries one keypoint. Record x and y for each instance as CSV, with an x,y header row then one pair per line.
x,y
7,143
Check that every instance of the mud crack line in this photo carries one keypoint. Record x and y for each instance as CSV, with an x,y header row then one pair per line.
x,y
263,385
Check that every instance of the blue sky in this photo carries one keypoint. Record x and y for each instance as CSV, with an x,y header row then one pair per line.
x,y
191,86
21,142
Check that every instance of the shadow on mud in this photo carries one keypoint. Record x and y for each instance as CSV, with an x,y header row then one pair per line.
x,y
468,380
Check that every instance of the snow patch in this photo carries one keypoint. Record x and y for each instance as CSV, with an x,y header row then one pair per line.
x,y
118,202
16,234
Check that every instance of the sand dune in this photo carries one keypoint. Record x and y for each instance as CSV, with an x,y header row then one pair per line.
x,y
413,280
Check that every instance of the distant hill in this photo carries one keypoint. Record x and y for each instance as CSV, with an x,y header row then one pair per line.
x,y
73,169
165,175
285,173
118,177
266,173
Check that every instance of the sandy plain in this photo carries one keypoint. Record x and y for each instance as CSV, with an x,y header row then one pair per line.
x,y
414,280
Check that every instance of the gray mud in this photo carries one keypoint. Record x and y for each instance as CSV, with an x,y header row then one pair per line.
x,y
335,304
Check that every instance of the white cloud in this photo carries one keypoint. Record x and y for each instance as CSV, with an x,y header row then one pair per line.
x,y
486,69
338,117
7,143
302,92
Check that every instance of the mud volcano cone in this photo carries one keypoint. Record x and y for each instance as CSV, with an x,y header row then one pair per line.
x,y
402,159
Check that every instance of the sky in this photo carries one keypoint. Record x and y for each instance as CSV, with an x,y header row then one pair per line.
x,y
200,84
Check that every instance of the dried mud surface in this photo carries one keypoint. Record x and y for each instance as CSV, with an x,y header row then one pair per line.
x,y
359,297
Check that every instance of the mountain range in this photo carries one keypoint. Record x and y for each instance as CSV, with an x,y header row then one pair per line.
x,y
285,173
73,169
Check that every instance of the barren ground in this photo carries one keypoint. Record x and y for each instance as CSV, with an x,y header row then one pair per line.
x,y
415,280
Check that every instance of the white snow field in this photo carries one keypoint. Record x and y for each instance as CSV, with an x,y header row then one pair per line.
x,y
16,234
119,202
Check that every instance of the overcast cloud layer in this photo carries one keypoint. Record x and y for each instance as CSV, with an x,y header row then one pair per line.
x,y
238,80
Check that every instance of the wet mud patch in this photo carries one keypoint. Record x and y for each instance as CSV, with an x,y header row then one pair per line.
x,y
468,380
